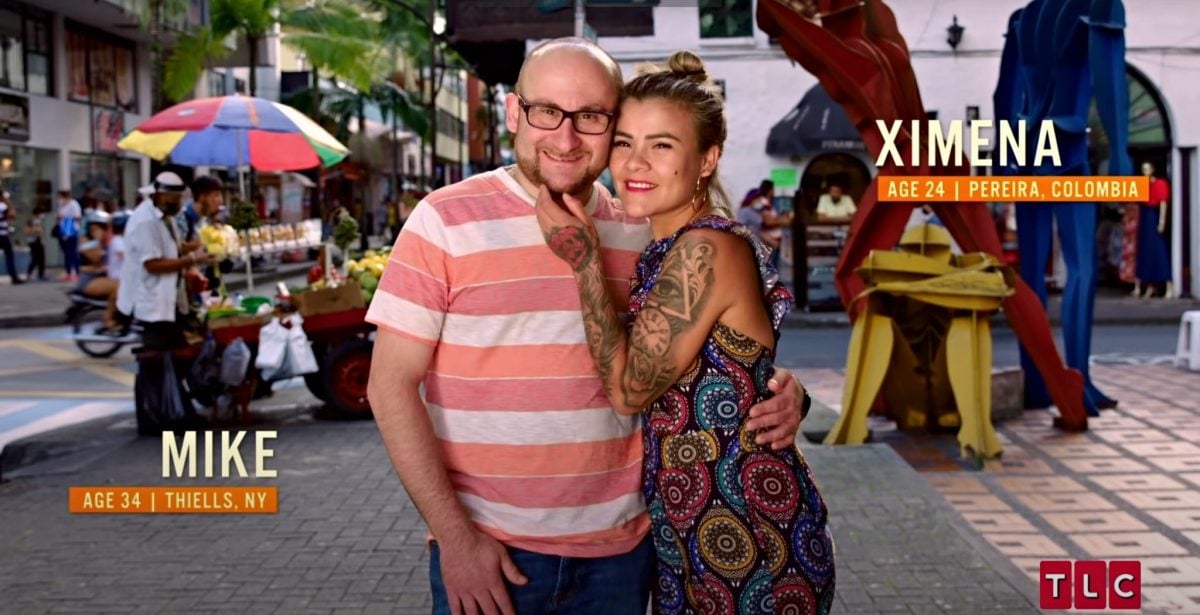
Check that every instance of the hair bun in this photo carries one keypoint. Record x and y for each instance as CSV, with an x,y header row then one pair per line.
x,y
687,65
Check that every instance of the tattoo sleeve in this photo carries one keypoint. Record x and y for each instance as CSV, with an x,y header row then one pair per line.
x,y
637,369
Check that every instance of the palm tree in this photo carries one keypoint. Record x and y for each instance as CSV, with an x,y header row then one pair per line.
x,y
153,15
248,21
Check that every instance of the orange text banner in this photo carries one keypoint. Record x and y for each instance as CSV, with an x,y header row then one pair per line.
x,y
174,500
1020,188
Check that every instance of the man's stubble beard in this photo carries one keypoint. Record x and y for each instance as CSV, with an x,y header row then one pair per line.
x,y
531,169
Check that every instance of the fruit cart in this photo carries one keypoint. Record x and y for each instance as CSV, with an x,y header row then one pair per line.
x,y
341,341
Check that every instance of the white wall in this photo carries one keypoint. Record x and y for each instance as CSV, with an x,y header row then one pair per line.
x,y
762,84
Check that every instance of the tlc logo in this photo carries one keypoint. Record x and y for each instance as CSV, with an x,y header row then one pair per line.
x,y
1091,584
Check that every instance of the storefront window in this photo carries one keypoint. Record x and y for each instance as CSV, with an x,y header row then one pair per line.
x,y
30,176
24,49
102,70
216,83
104,181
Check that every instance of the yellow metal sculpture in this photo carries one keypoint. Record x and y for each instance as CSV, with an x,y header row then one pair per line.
x,y
924,341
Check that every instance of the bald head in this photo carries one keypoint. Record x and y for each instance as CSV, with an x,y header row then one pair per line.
x,y
538,59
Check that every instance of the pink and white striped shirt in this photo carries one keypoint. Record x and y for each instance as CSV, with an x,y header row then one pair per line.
x,y
540,460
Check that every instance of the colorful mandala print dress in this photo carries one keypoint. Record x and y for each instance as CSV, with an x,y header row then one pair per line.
x,y
738,528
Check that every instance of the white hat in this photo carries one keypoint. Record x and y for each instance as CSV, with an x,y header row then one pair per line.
x,y
163,182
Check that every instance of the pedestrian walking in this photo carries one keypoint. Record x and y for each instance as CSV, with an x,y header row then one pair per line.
x,y
37,247
7,215
66,229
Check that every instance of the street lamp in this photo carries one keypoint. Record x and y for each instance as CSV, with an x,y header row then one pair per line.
x,y
954,34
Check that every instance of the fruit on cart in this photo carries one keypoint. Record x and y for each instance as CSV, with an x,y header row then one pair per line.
x,y
316,272
368,281
219,240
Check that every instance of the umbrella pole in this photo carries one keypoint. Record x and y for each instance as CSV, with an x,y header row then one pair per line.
x,y
249,248
249,268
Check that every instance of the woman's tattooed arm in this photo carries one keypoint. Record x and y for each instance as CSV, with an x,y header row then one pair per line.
x,y
637,369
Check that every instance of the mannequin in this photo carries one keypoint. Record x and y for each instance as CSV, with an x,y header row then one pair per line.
x,y
1153,259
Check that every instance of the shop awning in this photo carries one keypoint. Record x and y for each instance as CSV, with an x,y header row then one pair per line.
x,y
818,124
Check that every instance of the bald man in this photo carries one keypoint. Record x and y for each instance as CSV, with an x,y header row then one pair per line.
x,y
528,480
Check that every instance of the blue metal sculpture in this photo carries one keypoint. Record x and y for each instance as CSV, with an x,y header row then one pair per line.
x,y
1058,54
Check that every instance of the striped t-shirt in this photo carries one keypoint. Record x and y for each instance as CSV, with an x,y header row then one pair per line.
x,y
538,457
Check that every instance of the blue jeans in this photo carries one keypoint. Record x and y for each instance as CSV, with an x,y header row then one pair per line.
x,y
70,250
616,585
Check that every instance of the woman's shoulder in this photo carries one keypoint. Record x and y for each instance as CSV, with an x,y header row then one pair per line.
x,y
722,248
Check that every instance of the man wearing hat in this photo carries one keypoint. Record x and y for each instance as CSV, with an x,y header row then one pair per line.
x,y
150,289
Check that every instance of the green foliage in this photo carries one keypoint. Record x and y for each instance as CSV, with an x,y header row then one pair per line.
x,y
339,39
345,232
249,18
185,65
244,215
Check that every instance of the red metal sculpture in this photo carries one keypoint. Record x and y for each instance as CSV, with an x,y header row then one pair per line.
x,y
855,49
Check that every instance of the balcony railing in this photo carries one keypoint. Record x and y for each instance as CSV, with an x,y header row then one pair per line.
x,y
180,15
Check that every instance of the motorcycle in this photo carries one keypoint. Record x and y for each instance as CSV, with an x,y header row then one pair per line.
x,y
85,311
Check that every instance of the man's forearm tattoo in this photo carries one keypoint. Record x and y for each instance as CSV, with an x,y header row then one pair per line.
x,y
573,244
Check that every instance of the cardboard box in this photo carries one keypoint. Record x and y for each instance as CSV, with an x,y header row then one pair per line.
x,y
239,321
348,296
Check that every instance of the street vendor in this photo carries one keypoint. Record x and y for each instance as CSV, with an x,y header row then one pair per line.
x,y
151,290
208,197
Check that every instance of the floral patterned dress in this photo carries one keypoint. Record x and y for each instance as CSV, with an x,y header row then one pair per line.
x,y
738,527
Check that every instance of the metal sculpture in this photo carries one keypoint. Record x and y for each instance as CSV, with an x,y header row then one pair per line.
x,y
856,51
1057,53
924,340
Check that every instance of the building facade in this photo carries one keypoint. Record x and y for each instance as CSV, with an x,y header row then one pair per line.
x,y
763,88
74,77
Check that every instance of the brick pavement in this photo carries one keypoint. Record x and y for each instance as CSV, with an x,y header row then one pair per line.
x,y
347,539
947,538
1127,489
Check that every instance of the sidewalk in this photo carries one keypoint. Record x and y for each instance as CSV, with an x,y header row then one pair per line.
x,y
347,538
1109,310
1127,489
917,529
44,304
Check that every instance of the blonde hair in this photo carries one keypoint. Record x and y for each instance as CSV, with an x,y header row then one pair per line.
x,y
685,81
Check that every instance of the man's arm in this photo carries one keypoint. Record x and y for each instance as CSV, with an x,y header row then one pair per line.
x,y
474,565
163,266
398,366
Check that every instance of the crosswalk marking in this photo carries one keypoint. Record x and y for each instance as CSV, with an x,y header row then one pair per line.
x,y
48,415
10,407
108,372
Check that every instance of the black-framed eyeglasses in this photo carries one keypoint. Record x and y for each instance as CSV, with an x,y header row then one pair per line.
x,y
546,117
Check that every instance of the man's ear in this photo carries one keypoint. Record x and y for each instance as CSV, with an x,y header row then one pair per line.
x,y
709,162
512,112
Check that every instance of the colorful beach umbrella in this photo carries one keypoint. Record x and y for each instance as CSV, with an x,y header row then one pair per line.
x,y
235,131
